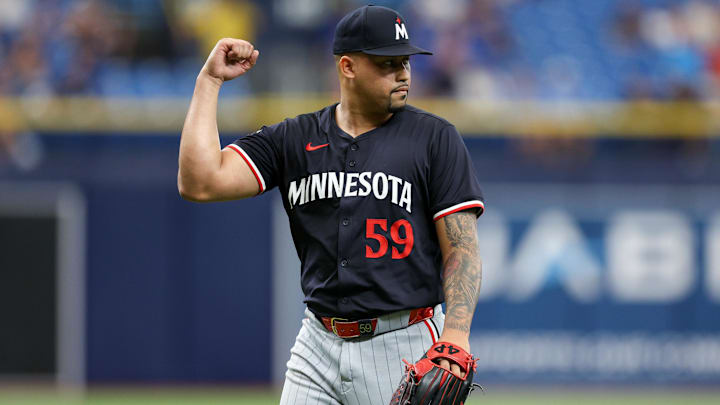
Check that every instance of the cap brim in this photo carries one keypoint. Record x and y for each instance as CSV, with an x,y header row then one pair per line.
x,y
397,50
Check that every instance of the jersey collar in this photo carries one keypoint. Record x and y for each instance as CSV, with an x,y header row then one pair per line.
x,y
326,118
326,115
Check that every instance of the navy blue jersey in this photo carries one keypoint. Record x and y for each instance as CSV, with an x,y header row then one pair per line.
x,y
362,209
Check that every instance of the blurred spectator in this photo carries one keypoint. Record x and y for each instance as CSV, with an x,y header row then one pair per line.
x,y
18,149
484,49
713,63
13,15
626,26
25,69
675,43
492,42
89,34
211,20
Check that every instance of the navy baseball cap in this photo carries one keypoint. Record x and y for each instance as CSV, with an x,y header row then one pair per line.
x,y
374,30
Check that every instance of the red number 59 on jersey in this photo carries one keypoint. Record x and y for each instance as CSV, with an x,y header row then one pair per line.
x,y
405,241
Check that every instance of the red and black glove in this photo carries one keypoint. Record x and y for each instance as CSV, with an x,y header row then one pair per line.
x,y
425,382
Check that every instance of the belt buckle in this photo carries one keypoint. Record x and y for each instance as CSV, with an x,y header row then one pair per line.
x,y
332,323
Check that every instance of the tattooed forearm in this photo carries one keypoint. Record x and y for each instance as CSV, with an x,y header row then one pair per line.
x,y
462,272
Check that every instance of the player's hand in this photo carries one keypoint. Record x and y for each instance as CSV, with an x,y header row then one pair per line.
x,y
229,59
426,382
453,367
458,339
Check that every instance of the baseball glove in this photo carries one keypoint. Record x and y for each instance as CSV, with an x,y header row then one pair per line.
x,y
425,382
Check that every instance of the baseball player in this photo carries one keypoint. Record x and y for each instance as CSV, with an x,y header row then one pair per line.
x,y
382,200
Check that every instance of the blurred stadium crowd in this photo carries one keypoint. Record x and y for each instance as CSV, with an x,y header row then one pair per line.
x,y
484,49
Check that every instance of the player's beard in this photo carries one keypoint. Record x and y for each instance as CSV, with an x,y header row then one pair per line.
x,y
397,106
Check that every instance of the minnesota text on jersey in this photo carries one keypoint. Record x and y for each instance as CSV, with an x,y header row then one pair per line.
x,y
340,184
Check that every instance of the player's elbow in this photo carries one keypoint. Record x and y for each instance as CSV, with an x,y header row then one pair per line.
x,y
192,192
189,195
195,196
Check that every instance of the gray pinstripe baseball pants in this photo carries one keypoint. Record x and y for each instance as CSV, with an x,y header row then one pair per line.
x,y
328,370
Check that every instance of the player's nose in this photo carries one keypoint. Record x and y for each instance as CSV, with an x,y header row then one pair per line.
x,y
403,74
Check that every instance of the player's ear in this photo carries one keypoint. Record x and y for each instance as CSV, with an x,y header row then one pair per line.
x,y
347,66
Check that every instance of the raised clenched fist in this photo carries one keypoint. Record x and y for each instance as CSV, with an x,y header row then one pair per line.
x,y
230,58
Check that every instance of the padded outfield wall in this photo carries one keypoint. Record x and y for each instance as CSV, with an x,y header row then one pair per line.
x,y
601,261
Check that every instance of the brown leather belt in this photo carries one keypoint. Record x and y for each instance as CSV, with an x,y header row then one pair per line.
x,y
345,328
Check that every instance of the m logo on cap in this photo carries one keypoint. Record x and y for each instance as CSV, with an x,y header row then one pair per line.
x,y
400,31
369,30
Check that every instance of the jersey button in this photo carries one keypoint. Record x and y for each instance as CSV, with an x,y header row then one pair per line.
x,y
346,222
344,263
354,146
352,163
343,300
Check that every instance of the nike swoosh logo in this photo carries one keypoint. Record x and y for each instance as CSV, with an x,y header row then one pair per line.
x,y
311,148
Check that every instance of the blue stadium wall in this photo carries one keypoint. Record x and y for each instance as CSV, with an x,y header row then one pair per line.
x,y
179,291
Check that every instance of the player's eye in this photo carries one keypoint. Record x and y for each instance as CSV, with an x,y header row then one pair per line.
x,y
396,63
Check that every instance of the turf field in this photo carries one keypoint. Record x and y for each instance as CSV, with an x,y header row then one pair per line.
x,y
224,396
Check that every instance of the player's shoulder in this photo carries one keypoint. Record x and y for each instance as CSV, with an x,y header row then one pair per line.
x,y
305,122
429,127
426,118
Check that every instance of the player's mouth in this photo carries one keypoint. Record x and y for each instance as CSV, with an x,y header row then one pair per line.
x,y
403,90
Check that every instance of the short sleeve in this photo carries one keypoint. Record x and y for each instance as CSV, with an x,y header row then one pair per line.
x,y
261,151
453,183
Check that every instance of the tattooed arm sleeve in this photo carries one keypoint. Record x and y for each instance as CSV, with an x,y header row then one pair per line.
x,y
462,269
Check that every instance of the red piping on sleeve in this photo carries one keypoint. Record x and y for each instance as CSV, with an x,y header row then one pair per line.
x,y
250,165
465,207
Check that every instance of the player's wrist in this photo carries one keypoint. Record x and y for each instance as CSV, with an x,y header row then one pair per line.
x,y
205,78
456,337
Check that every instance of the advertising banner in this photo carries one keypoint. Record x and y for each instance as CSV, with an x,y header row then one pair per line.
x,y
599,283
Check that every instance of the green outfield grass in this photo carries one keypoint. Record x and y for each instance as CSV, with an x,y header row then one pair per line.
x,y
204,396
